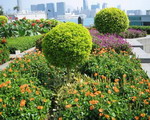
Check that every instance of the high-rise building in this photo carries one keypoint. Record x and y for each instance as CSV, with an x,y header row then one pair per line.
x,y
85,5
60,8
134,12
33,7
104,5
50,9
94,7
119,6
40,7
147,12
19,4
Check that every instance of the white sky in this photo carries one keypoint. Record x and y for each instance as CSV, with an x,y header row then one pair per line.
x,y
125,4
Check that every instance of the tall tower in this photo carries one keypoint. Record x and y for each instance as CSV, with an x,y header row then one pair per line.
x,y
50,8
104,5
61,8
19,4
85,5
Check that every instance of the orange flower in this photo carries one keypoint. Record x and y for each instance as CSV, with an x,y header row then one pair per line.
x,y
68,106
76,99
113,118
1,100
22,103
101,110
116,89
107,116
145,102
101,114
124,76
136,118
4,74
4,105
95,74
92,95
31,99
44,100
87,93
8,82
37,92
102,96
13,98
108,102
92,107
103,77
97,92
116,80
39,107
93,102
0,113
60,118
109,91
10,70
142,114
107,86
134,98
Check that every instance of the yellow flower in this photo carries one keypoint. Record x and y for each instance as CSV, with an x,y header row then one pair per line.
x,y
1,100
0,113
142,114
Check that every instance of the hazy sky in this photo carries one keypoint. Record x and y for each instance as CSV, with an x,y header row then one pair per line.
x,y
125,4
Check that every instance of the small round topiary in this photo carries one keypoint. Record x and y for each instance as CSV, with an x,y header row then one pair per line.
x,y
3,19
111,20
67,45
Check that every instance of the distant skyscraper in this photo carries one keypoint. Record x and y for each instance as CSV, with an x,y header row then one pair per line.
x,y
147,12
33,7
50,9
104,5
60,8
134,12
19,4
94,7
85,5
40,7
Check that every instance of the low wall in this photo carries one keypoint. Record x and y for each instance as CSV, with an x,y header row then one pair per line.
x,y
146,43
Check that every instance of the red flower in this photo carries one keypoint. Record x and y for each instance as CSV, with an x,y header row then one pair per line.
x,y
10,17
16,18
24,18
33,24
41,25
38,21
4,41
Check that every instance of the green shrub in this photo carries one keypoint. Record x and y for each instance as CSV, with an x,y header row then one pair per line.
x,y
67,45
21,99
3,19
35,65
111,20
88,99
39,43
22,43
143,28
108,64
4,51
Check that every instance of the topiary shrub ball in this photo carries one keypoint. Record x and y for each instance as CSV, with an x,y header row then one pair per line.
x,y
3,19
67,45
111,20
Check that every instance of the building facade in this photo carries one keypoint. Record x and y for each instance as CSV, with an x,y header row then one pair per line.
x,y
40,7
60,8
33,8
19,4
104,5
50,10
139,20
85,5
94,7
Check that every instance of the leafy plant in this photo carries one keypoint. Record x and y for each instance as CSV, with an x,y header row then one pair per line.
x,y
67,45
22,43
111,20
3,20
142,28
4,51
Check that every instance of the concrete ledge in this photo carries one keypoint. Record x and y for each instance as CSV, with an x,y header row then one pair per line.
x,y
141,54
146,68
134,43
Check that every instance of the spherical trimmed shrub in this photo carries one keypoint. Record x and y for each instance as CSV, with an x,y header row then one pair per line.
x,y
3,19
4,52
111,20
67,45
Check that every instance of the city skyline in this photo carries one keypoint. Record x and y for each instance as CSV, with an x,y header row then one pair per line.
x,y
125,4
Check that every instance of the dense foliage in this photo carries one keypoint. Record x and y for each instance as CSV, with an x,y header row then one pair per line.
x,y
25,27
39,43
22,99
109,41
111,20
88,99
3,20
142,28
116,65
67,45
22,43
133,33
4,51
